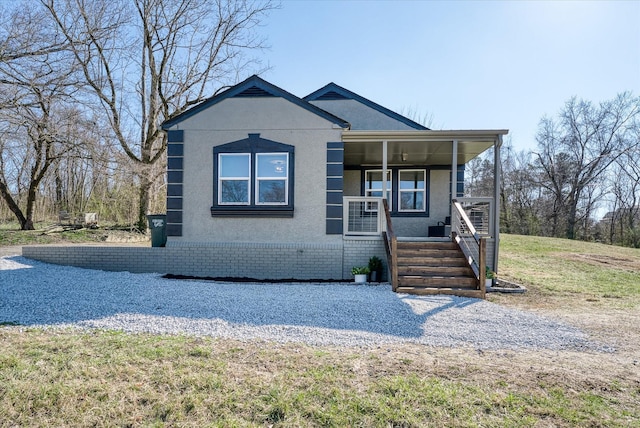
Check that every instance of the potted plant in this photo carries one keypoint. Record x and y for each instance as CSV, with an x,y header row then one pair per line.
x,y
491,276
360,274
375,267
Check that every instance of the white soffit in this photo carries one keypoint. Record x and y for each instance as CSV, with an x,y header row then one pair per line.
x,y
418,147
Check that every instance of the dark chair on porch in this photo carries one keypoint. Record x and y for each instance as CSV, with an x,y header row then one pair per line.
x,y
440,230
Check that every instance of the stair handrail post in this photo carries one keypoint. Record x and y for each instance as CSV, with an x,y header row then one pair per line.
x,y
394,263
391,247
482,281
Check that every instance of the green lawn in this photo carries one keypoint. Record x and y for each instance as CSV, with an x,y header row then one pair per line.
x,y
561,267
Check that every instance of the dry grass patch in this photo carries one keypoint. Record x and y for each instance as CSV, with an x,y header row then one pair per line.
x,y
571,275
72,378
54,378
10,235
595,287
629,264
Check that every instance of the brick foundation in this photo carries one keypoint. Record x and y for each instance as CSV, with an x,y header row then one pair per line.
x,y
260,261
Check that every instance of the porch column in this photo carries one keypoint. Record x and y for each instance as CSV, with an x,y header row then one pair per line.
x,y
497,178
384,169
454,170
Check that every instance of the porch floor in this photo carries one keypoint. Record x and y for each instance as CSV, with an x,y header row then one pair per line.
x,y
424,239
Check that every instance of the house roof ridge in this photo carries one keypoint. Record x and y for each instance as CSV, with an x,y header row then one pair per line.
x,y
254,81
333,87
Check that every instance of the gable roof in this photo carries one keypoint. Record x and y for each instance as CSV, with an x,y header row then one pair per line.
x,y
336,92
254,87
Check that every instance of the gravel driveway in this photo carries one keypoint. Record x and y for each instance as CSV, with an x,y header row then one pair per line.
x,y
342,314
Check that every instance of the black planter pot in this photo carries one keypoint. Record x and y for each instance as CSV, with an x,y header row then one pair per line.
x,y
375,276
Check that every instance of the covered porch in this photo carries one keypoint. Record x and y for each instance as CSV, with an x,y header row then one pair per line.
x,y
423,190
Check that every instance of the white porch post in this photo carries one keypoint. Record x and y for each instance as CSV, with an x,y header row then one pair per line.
x,y
497,173
454,170
384,169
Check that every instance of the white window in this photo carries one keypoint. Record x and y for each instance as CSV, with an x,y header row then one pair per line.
x,y
411,190
373,184
234,178
272,178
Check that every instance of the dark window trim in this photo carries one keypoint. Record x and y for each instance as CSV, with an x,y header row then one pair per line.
x,y
250,211
394,187
425,191
254,145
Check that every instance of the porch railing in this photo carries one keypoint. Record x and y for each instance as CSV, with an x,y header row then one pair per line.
x,y
480,212
362,216
472,243
391,247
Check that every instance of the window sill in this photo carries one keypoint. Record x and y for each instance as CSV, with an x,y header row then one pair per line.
x,y
265,212
409,214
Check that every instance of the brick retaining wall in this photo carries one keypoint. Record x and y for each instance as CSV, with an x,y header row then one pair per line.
x,y
261,261
357,252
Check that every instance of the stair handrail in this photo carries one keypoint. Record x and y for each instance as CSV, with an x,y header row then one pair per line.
x,y
477,264
465,220
391,247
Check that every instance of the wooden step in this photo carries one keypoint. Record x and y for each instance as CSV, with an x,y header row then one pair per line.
x,y
437,281
462,292
432,261
420,245
429,268
441,271
430,252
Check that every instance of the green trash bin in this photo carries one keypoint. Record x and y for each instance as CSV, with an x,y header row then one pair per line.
x,y
158,226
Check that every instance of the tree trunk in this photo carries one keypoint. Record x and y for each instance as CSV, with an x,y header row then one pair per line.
x,y
572,221
554,223
572,214
58,181
31,203
505,211
15,209
143,201
28,225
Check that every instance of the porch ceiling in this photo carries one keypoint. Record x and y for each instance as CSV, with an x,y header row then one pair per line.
x,y
418,147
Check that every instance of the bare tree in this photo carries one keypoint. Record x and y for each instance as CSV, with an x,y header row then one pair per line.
x,y
423,118
147,61
519,195
623,219
577,149
478,175
36,82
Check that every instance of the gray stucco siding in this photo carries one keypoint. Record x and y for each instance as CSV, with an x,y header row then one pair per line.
x,y
274,119
439,195
352,182
360,116
257,114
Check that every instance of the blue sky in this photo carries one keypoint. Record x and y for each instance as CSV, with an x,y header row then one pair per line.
x,y
470,65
